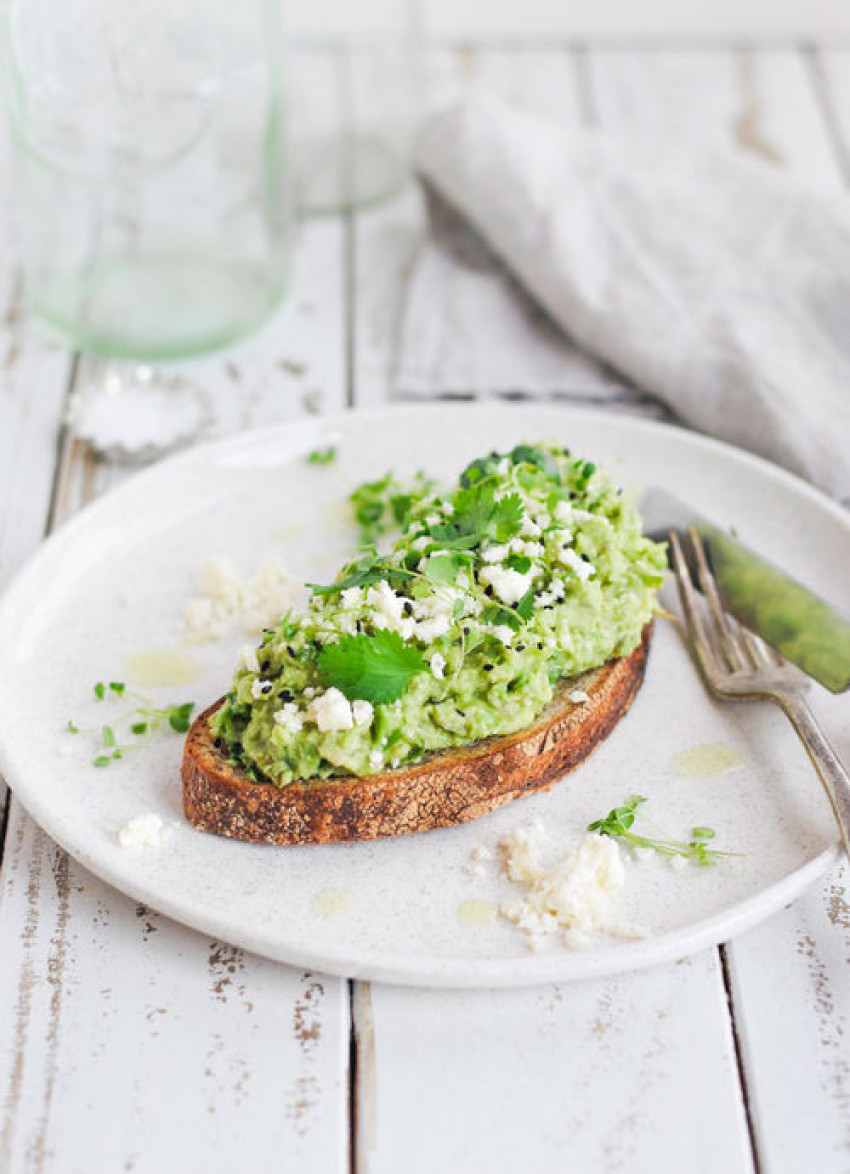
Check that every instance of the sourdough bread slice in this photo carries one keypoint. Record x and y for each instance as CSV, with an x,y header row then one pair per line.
x,y
445,788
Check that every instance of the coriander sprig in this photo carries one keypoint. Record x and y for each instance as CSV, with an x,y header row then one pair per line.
x,y
618,825
322,456
147,719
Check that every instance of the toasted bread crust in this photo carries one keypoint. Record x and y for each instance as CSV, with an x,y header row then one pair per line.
x,y
444,789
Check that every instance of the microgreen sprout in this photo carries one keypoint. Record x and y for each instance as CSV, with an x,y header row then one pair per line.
x,y
322,456
619,821
144,720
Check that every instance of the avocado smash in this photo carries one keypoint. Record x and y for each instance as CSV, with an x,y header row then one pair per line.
x,y
531,569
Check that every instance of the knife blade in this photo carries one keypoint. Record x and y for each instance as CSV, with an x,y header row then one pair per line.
x,y
803,627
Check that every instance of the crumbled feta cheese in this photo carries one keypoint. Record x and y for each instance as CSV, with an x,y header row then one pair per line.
x,y
429,630
362,712
495,554
331,711
389,610
143,831
260,688
529,549
227,599
501,631
290,718
351,596
438,666
248,656
509,585
530,528
573,896
578,696
376,759
564,512
553,594
568,558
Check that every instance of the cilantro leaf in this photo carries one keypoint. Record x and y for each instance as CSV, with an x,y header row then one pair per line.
x,y
374,668
478,516
443,569
368,569
180,716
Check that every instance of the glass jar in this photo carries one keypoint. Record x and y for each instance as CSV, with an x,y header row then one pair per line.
x,y
152,175
356,94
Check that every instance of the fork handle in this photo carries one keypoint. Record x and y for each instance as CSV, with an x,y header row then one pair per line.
x,y
835,779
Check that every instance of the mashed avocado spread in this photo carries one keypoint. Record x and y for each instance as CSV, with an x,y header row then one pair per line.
x,y
532,568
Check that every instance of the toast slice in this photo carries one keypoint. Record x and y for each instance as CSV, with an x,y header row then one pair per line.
x,y
445,788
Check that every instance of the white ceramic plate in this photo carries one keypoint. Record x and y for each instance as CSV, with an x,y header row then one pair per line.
x,y
114,582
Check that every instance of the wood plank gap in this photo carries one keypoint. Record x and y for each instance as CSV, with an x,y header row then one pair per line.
x,y
635,43
580,62
826,108
739,1059
349,276
64,446
352,1082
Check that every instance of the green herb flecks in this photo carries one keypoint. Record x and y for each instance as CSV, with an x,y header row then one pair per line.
x,y
143,721
374,668
379,505
619,821
322,456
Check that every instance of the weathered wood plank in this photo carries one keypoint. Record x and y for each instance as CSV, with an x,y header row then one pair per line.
x,y
620,1074
127,1041
628,1073
130,1043
788,978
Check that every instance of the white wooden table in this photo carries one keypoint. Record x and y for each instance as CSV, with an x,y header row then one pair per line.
x,y
128,1043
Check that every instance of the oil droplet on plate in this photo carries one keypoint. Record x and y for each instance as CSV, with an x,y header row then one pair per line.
x,y
332,903
475,911
712,758
157,668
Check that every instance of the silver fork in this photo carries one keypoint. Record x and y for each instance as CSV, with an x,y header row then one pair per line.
x,y
736,666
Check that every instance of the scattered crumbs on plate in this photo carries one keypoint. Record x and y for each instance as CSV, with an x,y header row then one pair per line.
x,y
156,668
572,898
478,858
331,903
710,758
578,696
144,831
227,599
476,911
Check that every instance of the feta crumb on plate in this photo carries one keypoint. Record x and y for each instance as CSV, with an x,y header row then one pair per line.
x,y
144,831
228,599
573,897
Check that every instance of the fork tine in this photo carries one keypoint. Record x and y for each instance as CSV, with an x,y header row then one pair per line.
x,y
729,639
688,600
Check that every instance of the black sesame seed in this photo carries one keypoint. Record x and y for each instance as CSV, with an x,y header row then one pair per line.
x,y
265,666
267,688
488,668
217,743
466,631
520,648
290,650
359,626
286,695
460,711
540,644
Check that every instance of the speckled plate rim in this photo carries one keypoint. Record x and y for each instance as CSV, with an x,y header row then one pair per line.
x,y
407,969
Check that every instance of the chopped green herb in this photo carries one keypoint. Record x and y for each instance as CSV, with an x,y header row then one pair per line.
x,y
139,728
180,716
100,690
322,456
102,760
372,668
108,735
73,729
117,687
